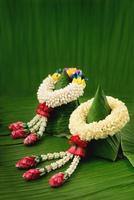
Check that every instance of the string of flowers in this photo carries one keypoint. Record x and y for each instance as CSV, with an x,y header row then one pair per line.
x,y
49,99
82,134
113,123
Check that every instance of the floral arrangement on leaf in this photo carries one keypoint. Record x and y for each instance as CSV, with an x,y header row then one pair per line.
x,y
57,95
94,120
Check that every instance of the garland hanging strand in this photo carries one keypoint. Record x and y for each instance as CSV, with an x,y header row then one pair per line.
x,y
82,133
48,100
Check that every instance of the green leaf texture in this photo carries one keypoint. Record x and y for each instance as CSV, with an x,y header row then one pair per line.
x,y
36,38
59,120
100,108
63,81
105,148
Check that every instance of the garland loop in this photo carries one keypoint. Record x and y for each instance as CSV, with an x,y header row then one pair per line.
x,y
48,100
109,126
82,133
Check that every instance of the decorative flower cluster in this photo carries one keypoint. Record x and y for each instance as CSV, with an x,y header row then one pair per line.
x,y
32,161
56,76
85,132
58,179
75,73
81,132
78,147
64,95
97,130
76,152
49,99
33,130
19,130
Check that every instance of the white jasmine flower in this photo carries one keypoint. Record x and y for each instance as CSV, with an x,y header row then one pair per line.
x,y
115,121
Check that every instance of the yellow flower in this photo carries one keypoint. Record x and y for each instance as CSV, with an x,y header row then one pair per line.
x,y
56,76
71,71
79,81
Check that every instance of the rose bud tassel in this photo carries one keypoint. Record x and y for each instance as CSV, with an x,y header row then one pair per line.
x,y
76,151
33,174
27,162
79,140
33,130
59,178
32,161
49,98
18,130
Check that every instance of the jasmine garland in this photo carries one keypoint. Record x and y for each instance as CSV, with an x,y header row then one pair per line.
x,y
48,100
82,134
115,121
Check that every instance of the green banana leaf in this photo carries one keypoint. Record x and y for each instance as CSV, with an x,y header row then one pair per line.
x,y
59,120
108,148
127,141
94,179
63,81
100,107
38,37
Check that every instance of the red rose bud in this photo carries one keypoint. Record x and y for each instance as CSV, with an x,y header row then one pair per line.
x,y
43,110
15,126
20,133
80,152
76,140
57,180
72,149
31,139
26,162
32,174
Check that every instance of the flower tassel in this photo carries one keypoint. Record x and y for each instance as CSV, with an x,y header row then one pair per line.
x,y
59,178
75,152
48,168
33,130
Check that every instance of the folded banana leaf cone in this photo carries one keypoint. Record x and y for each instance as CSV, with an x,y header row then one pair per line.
x,y
58,121
99,109
112,147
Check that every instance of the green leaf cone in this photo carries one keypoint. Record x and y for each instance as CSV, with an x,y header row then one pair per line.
x,y
105,148
59,120
100,107
63,81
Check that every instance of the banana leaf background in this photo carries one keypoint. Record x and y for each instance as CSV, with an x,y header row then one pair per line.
x,y
36,38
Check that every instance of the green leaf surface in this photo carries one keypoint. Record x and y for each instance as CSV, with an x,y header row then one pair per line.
x,y
63,81
105,148
59,120
37,38
100,108
93,179
127,138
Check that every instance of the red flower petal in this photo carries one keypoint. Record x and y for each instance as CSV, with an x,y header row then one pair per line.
x,y
15,126
31,139
43,110
80,152
57,180
72,149
26,162
76,140
20,133
31,174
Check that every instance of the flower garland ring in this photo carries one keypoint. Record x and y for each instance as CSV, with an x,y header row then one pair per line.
x,y
48,100
98,130
82,134
62,96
